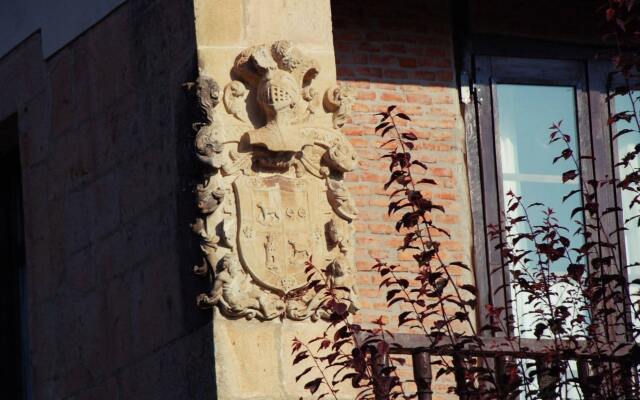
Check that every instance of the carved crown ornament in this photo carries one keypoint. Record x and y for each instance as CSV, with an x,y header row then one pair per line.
x,y
272,193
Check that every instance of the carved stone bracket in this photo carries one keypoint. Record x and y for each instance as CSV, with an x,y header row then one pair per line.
x,y
272,195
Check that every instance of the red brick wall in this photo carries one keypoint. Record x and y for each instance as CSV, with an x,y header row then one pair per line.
x,y
401,56
401,53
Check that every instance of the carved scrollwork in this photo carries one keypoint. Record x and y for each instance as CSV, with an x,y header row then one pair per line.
x,y
339,101
235,99
209,197
341,156
208,141
340,199
263,211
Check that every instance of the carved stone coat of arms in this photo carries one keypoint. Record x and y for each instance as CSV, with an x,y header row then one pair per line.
x,y
272,197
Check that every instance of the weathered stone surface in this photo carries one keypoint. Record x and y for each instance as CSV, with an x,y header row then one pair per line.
x,y
247,360
272,195
254,361
243,23
102,127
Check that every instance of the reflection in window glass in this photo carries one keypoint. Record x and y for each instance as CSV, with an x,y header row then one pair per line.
x,y
526,157
525,113
624,145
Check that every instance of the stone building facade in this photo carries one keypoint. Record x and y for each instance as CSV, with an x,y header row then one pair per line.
x,y
102,122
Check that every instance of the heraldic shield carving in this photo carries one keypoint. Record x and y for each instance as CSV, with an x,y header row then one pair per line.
x,y
272,195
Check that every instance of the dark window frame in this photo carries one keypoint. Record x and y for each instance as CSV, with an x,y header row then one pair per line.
x,y
615,172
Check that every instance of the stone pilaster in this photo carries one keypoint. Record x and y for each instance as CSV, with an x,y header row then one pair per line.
x,y
272,193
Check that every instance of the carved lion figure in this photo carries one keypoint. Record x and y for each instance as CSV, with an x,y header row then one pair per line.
x,y
237,296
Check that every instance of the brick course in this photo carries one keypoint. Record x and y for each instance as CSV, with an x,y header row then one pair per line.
x,y
408,57
401,56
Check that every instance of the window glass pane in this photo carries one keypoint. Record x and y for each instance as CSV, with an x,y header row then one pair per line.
x,y
625,144
525,113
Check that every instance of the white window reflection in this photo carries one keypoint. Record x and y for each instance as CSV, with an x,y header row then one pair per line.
x,y
626,143
525,113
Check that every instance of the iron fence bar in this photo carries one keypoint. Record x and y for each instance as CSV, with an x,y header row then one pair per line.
x,y
547,380
627,380
459,373
422,373
584,379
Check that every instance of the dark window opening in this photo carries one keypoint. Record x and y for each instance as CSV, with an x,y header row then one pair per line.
x,y
13,261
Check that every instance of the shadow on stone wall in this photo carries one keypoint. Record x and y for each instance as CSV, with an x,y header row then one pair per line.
x,y
105,137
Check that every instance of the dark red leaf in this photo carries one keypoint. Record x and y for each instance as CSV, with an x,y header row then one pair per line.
x,y
381,125
469,288
419,163
313,385
409,136
303,373
569,175
299,357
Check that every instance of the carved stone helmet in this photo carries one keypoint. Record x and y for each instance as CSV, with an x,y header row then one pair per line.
x,y
278,91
